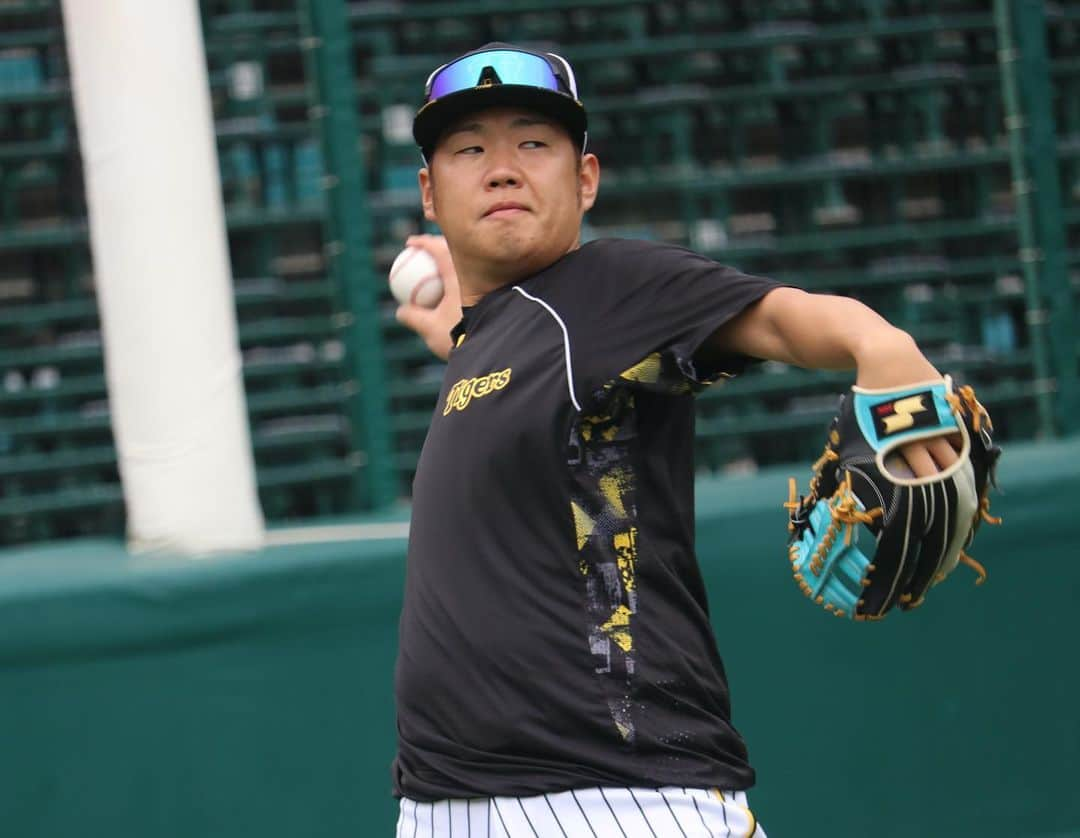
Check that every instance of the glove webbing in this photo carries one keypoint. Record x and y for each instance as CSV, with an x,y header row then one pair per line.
x,y
845,514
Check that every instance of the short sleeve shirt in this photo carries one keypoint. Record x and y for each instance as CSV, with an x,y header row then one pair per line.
x,y
555,632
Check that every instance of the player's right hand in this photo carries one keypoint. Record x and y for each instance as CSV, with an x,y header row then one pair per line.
x,y
434,324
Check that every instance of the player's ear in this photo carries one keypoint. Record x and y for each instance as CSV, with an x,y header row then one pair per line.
x,y
427,193
588,180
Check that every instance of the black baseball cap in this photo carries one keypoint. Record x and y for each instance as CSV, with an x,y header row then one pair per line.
x,y
495,75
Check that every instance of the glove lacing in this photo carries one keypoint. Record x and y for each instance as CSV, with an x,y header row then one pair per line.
x,y
962,402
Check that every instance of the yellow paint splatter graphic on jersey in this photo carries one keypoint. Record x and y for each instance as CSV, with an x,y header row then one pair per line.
x,y
646,371
612,487
604,506
602,448
583,524
617,628
665,373
626,557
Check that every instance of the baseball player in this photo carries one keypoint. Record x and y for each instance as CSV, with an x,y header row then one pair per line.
x,y
557,672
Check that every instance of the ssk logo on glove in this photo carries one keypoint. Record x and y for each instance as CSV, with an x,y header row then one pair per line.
x,y
904,414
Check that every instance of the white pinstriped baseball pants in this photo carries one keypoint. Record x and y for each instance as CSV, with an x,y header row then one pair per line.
x,y
669,812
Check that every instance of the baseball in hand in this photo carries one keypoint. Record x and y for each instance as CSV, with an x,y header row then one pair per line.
x,y
414,278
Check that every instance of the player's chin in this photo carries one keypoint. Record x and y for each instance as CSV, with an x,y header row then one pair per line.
x,y
516,225
519,247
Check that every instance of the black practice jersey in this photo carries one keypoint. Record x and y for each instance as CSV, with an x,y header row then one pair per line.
x,y
554,631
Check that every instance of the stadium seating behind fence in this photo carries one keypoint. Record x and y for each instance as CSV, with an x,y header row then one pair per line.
x,y
845,146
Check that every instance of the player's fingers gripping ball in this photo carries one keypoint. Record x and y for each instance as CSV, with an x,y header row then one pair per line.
x,y
866,538
415,279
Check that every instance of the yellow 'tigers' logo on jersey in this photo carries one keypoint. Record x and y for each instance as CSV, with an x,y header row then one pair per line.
x,y
464,391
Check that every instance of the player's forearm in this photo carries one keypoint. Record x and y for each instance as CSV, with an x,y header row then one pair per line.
x,y
822,331
829,332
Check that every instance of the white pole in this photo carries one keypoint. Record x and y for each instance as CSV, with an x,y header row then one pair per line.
x,y
161,263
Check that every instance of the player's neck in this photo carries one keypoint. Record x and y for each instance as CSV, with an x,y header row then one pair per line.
x,y
473,292
478,279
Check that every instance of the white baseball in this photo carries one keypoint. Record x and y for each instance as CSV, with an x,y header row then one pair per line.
x,y
414,278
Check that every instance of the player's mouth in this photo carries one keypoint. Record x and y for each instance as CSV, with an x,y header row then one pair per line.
x,y
505,209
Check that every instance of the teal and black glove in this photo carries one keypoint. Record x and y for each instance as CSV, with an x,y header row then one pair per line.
x,y
871,535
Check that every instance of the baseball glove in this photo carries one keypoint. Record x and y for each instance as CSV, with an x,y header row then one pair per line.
x,y
870,535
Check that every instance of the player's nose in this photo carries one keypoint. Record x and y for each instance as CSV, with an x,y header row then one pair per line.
x,y
503,170
502,178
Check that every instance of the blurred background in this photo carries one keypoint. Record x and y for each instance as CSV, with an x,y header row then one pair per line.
x,y
921,156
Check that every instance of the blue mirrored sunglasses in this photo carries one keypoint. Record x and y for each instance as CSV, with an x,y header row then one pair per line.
x,y
510,66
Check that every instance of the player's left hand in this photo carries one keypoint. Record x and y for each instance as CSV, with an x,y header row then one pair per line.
x,y
891,366
928,457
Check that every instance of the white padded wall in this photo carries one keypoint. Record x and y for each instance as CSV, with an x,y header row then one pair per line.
x,y
162,270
